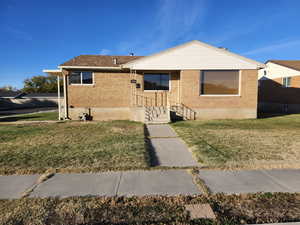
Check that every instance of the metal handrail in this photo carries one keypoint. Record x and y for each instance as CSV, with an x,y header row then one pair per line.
x,y
145,101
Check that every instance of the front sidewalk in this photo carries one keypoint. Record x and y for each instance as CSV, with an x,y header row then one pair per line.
x,y
121,183
151,182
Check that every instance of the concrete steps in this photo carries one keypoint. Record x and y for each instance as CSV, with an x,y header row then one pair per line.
x,y
157,114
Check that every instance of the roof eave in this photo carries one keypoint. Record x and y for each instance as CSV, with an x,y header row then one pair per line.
x,y
92,67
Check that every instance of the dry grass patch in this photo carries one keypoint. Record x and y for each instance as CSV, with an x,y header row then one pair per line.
x,y
72,146
262,143
230,210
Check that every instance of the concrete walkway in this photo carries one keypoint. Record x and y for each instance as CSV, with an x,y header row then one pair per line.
x,y
153,182
127,183
168,150
251,181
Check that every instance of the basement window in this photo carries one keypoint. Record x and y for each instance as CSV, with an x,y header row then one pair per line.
x,y
219,82
286,82
85,77
156,82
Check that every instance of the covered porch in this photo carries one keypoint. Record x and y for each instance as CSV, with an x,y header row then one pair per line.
x,y
159,91
62,105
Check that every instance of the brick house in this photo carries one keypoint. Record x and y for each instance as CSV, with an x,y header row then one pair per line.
x,y
279,87
190,81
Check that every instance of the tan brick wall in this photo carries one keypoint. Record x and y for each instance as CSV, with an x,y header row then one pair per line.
x,y
110,89
243,106
110,96
103,114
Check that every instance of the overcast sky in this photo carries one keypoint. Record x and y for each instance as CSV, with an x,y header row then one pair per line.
x,y
38,34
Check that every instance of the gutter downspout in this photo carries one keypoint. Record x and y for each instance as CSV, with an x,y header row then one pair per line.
x,y
58,98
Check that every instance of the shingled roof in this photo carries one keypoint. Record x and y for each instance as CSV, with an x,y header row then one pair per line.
x,y
99,60
293,64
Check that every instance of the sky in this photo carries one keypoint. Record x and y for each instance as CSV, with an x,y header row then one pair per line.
x,y
41,34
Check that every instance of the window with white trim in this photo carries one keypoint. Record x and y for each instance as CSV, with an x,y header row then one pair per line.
x,y
81,77
286,82
156,82
219,82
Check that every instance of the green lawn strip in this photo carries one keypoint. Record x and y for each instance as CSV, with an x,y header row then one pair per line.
x,y
229,209
244,143
73,147
43,116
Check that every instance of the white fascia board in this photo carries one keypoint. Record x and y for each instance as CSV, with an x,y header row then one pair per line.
x,y
193,68
52,71
91,67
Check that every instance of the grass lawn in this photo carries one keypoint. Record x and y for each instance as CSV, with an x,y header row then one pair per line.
x,y
72,146
31,117
249,143
230,210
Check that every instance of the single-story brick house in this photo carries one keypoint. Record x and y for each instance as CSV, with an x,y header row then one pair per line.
x,y
191,81
279,87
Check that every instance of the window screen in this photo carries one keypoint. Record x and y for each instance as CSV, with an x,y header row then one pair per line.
x,y
87,77
77,77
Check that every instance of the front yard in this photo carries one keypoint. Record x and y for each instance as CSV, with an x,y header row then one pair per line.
x,y
249,143
120,145
72,147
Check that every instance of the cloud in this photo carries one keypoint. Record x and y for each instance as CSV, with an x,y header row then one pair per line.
x,y
18,33
173,21
271,48
176,19
105,51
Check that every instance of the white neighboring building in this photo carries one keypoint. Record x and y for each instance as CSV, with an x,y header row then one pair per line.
x,y
279,86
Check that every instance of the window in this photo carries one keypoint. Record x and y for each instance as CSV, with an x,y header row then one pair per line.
x,y
156,81
77,77
220,82
286,82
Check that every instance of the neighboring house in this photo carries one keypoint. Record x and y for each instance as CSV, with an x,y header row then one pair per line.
x,y
21,100
10,94
191,81
279,87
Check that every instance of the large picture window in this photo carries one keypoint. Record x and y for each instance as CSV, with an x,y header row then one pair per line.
x,y
219,82
77,77
157,81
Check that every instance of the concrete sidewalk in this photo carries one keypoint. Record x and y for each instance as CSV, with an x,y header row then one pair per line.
x,y
152,182
251,181
168,149
127,183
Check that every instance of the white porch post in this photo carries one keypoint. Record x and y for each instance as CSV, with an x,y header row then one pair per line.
x,y
58,98
65,97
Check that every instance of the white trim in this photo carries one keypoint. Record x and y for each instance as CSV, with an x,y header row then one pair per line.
x,y
222,95
52,71
58,98
65,97
169,73
240,83
90,67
